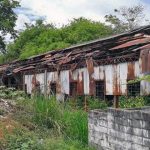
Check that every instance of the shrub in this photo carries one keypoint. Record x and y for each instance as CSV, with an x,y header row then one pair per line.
x,y
96,103
11,93
132,102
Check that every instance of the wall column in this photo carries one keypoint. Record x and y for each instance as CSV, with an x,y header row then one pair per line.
x,y
45,83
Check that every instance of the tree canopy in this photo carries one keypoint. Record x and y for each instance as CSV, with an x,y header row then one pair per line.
x,y
40,38
7,21
126,18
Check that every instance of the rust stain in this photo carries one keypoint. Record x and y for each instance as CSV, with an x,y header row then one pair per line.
x,y
90,66
131,43
144,57
35,84
58,85
92,85
131,71
80,85
116,83
70,77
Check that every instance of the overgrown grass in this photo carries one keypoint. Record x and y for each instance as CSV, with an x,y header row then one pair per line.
x,y
46,124
72,124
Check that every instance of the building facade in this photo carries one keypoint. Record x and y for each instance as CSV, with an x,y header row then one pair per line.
x,y
100,68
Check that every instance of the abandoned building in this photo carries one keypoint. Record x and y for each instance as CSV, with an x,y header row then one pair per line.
x,y
99,68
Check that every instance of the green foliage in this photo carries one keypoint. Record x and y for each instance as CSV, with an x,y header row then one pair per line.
x,y
75,125
22,140
97,104
11,93
144,78
133,102
7,20
40,38
47,112
71,123
66,145
46,124
25,140
91,103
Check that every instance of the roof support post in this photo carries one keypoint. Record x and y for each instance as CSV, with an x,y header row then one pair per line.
x,y
45,83
116,101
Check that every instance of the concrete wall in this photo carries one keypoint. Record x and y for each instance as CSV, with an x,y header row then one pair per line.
x,y
117,129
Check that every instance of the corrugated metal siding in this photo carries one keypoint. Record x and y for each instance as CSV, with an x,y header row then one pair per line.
x,y
144,64
52,77
145,88
86,81
115,77
64,81
81,76
40,78
122,78
98,73
137,69
109,78
28,82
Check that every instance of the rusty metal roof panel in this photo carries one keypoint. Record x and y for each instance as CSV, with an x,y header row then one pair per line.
x,y
131,43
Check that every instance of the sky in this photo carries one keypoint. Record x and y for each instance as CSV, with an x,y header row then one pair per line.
x,y
60,12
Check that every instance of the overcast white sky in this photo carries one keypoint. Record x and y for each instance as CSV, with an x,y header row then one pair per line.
x,y
61,11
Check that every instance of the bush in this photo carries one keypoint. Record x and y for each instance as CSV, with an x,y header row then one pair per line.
x,y
11,93
96,103
132,102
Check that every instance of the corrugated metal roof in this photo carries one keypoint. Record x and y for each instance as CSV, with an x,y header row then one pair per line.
x,y
98,50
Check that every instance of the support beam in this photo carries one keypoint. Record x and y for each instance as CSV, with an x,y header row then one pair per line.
x,y
116,101
45,83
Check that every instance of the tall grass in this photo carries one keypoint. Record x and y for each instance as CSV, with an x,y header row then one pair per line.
x,y
72,124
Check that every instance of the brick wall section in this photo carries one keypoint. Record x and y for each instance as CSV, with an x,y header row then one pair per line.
x,y
118,129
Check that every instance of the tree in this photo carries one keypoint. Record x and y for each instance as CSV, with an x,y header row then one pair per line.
x,y
126,18
7,21
40,38
81,29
